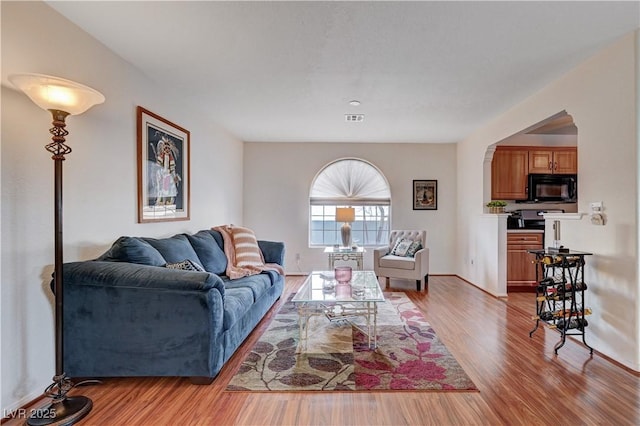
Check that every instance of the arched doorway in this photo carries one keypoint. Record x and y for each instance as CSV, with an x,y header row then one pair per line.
x,y
547,147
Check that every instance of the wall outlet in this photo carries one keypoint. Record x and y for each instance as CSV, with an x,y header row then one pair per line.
x,y
297,257
597,219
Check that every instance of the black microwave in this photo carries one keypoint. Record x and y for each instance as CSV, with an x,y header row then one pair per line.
x,y
559,188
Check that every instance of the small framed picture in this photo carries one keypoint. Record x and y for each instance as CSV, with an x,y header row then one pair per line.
x,y
425,195
163,169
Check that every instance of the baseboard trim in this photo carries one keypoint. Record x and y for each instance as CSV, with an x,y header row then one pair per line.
x,y
495,296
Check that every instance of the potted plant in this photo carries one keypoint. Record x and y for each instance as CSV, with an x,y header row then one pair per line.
x,y
496,206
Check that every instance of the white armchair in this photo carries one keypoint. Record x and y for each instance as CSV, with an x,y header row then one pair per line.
x,y
390,265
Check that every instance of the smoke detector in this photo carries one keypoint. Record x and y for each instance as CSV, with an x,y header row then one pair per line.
x,y
354,118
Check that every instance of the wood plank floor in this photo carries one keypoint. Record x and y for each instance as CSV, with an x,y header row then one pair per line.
x,y
520,380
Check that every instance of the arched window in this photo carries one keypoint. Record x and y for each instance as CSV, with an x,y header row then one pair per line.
x,y
349,182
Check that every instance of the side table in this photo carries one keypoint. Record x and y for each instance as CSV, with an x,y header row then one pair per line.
x,y
345,254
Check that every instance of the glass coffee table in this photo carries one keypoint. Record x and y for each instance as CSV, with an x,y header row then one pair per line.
x,y
320,294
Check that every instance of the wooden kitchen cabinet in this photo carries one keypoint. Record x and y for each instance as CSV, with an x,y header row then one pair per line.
x,y
554,160
509,169
521,271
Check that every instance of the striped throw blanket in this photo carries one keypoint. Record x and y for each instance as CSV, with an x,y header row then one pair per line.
x,y
244,257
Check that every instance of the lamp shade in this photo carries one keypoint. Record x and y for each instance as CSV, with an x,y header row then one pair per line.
x,y
345,214
54,93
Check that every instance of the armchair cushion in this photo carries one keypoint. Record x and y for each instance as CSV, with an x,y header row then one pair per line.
x,y
397,262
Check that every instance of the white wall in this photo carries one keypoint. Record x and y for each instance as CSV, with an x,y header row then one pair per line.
x,y
100,178
278,176
600,94
490,262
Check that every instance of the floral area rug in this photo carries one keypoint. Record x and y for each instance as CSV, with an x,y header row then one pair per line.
x,y
337,357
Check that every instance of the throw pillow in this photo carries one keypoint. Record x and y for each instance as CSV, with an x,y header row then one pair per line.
x,y
395,246
246,247
401,248
413,248
185,265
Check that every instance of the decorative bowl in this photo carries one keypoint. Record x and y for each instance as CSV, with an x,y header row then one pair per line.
x,y
343,274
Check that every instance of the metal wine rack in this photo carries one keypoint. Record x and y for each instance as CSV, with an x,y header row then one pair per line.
x,y
560,291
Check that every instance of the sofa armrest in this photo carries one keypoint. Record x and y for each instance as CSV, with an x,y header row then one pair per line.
x,y
273,251
131,275
123,319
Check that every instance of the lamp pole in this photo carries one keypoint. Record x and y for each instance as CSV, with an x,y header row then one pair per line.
x,y
62,409
62,98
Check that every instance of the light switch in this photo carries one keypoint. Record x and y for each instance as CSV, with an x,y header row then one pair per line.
x,y
596,214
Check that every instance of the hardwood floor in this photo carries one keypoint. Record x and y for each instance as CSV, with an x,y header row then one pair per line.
x,y
520,380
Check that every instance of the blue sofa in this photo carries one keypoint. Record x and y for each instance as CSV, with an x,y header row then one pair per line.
x,y
126,314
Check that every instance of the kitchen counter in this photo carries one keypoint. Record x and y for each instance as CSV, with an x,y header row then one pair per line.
x,y
522,231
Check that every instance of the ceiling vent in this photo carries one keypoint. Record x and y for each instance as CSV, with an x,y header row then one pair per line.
x,y
354,118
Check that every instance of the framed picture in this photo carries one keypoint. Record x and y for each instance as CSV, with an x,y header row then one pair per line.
x,y
163,169
425,195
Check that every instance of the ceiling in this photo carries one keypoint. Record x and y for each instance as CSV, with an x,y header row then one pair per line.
x,y
286,71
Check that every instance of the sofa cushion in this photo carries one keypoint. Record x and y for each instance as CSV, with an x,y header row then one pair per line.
x,y
273,275
185,265
237,302
206,247
258,284
218,237
174,249
397,262
272,251
133,250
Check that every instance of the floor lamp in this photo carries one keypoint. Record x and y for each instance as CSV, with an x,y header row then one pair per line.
x,y
62,98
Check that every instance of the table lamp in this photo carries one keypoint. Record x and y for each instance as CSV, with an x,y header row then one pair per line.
x,y
346,215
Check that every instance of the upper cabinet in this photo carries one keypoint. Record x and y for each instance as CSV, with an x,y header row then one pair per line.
x,y
509,169
511,166
553,160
